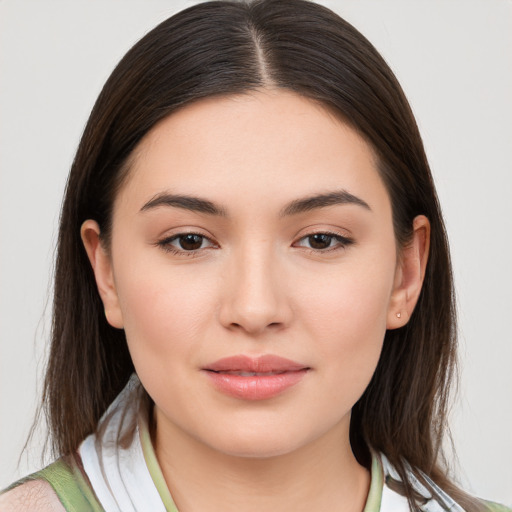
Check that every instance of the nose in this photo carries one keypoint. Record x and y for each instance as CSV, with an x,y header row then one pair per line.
x,y
254,294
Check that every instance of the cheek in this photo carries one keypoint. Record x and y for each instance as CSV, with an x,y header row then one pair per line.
x,y
346,315
164,311
349,299
165,321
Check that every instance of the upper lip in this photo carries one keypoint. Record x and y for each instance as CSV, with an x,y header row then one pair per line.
x,y
262,364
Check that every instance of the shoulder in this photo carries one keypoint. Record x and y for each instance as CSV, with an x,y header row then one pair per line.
x,y
29,496
59,487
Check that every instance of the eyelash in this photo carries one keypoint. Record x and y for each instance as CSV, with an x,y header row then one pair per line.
x,y
165,244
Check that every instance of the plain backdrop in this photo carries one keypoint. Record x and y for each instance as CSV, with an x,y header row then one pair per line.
x,y
454,60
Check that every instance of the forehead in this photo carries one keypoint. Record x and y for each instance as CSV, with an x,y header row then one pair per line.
x,y
268,144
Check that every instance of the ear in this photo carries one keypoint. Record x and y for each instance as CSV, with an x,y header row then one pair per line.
x,y
102,267
409,274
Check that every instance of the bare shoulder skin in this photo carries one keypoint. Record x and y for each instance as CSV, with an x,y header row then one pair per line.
x,y
32,495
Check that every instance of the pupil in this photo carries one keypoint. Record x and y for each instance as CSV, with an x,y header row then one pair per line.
x,y
320,241
191,242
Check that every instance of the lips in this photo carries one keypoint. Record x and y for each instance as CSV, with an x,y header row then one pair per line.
x,y
258,378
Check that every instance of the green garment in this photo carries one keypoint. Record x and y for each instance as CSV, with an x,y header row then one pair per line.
x,y
76,495
70,485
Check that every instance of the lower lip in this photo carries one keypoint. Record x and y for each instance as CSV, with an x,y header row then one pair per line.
x,y
256,387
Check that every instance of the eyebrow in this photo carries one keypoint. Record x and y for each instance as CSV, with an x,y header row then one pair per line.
x,y
302,205
194,204
321,201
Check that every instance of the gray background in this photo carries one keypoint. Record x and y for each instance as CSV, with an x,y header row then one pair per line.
x,y
453,59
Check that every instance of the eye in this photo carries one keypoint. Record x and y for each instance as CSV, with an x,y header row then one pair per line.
x,y
324,242
185,242
189,242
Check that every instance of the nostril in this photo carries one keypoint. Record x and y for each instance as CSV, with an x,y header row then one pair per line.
x,y
255,328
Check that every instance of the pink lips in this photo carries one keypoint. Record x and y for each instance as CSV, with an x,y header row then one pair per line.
x,y
255,378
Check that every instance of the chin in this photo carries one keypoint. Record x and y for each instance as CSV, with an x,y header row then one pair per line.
x,y
257,448
260,441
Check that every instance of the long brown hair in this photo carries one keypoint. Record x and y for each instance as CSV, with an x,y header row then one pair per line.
x,y
219,48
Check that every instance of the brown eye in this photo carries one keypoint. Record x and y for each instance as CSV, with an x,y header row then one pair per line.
x,y
324,242
190,242
320,241
186,244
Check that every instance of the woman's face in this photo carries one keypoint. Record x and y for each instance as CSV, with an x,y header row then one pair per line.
x,y
253,267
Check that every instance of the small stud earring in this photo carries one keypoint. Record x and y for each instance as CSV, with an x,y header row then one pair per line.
x,y
399,315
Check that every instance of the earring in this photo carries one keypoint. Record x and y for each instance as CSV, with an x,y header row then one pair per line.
x,y
399,315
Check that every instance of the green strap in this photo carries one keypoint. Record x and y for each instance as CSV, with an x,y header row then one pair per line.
x,y
496,507
374,498
154,468
70,485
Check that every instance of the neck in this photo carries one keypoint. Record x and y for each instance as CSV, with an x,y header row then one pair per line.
x,y
323,475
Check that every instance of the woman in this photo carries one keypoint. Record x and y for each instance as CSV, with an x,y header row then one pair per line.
x,y
251,226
